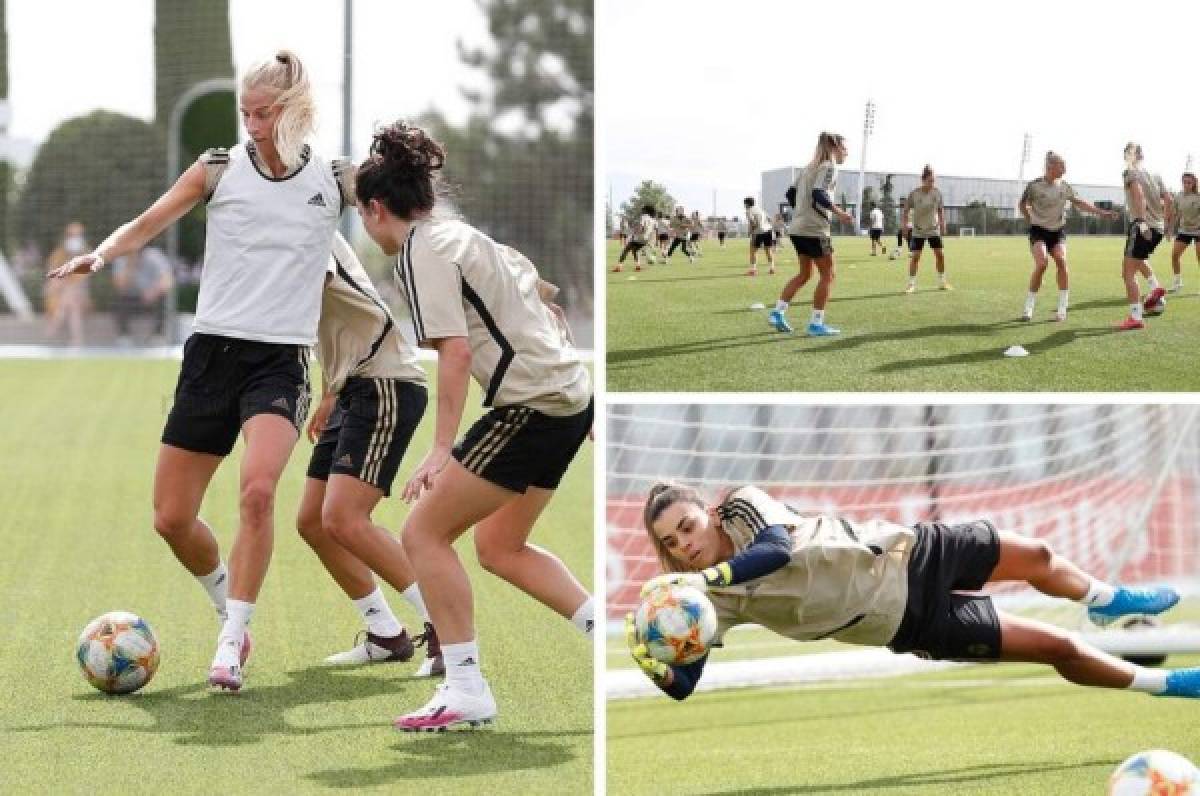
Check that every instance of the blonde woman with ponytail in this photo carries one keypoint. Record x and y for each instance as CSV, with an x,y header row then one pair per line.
x,y
1149,205
810,232
272,208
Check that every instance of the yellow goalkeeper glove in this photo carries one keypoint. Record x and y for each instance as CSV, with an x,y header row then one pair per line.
x,y
653,668
720,575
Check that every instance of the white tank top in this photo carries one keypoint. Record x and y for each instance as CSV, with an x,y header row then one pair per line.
x,y
266,250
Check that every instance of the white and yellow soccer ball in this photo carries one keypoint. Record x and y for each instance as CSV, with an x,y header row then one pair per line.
x,y
117,652
1155,773
676,623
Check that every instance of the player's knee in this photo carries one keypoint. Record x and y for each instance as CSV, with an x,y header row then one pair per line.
x,y
308,525
171,525
492,557
257,501
1040,555
342,525
1058,647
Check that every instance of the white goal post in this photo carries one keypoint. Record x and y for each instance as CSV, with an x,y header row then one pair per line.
x,y
966,232
1114,488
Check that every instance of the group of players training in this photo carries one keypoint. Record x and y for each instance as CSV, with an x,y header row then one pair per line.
x,y
1153,210
278,281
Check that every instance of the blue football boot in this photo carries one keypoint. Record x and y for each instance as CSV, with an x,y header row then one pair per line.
x,y
1134,601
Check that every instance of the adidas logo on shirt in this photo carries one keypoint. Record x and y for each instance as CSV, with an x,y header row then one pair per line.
x,y
317,200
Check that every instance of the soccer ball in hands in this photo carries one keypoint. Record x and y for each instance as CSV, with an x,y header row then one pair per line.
x,y
1155,772
676,623
117,652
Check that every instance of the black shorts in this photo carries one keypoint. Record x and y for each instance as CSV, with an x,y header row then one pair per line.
x,y
916,244
1050,237
223,382
807,246
516,447
663,237
939,622
876,234
369,431
1139,248
694,237
1187,239
762,240
721,236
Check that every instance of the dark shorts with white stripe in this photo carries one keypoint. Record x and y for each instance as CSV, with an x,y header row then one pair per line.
x,y
224,381
517,447
369,431
940,622
1138,247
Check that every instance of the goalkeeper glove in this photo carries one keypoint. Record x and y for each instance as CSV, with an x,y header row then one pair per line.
x,y
719,575
653,668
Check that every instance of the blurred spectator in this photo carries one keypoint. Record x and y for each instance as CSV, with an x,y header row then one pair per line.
x,y
67,299
142,280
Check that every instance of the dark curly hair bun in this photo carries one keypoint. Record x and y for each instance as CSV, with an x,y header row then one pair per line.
x,y
400,170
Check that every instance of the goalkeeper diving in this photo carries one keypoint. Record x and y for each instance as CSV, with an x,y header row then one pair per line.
x,y
908,588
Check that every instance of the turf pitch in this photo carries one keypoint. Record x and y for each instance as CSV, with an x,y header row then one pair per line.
x,y
992,729
690,328
80,440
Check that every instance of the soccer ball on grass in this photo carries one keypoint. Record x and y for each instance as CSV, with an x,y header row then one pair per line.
x,y
1155,772
677,624
117,652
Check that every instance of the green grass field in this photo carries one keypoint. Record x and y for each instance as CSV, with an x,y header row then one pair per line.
x,y
80,438
689,328
997,729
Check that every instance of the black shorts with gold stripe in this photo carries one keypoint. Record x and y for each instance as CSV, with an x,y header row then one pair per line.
x,y
516,447
369,431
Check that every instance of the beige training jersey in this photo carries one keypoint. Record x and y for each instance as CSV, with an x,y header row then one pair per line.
x,y
847,581
357,335
663,226
643,231
811,220
1152,189
461,283
1048,202
922,211
1187,210
680,226
757,220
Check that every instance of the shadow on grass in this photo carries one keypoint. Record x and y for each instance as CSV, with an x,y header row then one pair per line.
x,y
1048,343
629,356
967,775
642,277
200,718
453,754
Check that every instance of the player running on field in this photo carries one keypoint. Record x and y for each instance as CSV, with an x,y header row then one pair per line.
x,y
680,230
663,229
810,232
876,230
1044,206
373,398
1186,218
722,230
760,236
778,230
641,237
903,230
925,209
478,303
880,584
623,230
696,233
272,207
1148,203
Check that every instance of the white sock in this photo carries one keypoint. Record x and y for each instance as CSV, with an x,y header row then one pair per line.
x,y
229,642
378,614
1152,281
1149,681
818,317
462,666
584,617
781,306
1135,311
942,278
1062,300
216,583
413,595
1099,594
1178,281
912,281
1030,301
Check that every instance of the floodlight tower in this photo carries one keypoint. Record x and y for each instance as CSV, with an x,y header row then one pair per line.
x,y
868,128
1026,150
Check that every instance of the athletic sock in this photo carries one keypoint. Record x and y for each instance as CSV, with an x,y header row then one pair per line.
x,y
413,595
1149,681
1062,300
229,642
584,617
1178,283
781,306
378,614
1135,311
1030,301
462,667
216,583
1152,281
942,278
1099,594
818,317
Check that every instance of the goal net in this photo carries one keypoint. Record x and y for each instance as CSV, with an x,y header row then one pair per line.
x,y
1114,488
966,232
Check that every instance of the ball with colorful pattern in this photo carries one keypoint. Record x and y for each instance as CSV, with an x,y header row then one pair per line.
x,y
117,652
677,624
1155,773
